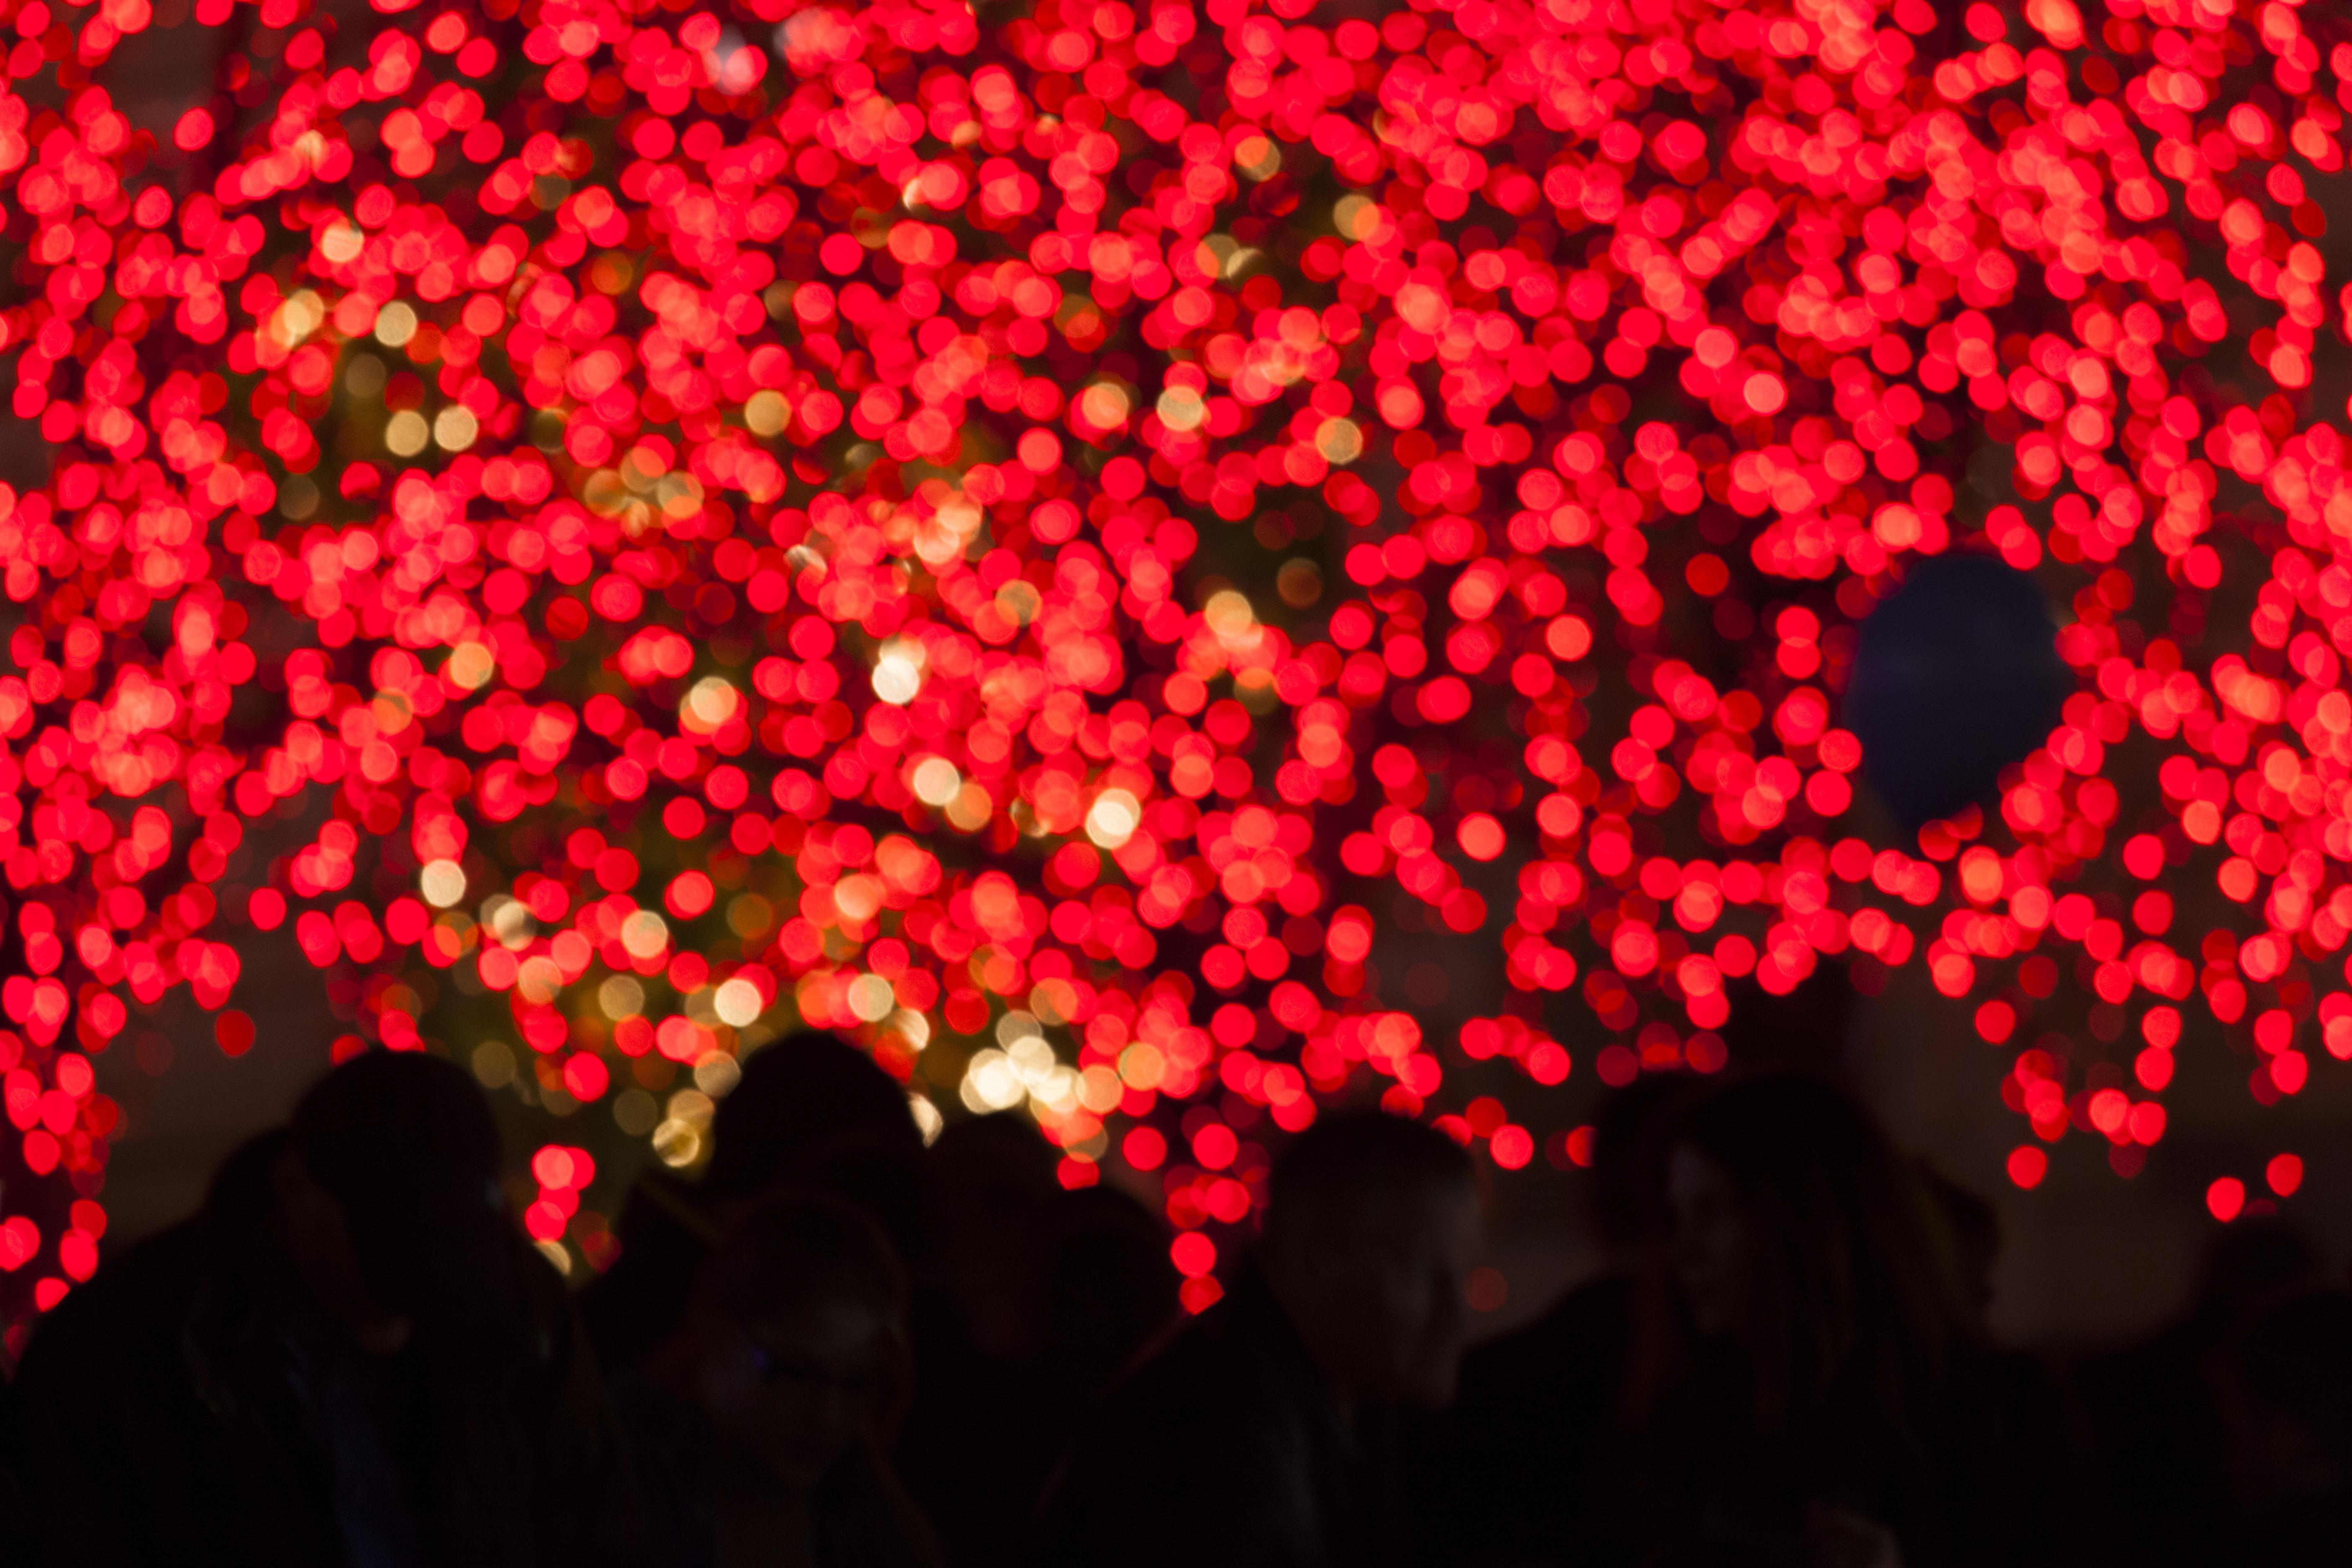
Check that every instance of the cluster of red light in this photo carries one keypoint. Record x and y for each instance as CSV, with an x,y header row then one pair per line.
x,y
788,426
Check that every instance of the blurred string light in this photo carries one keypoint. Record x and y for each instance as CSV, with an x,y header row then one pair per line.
x,y
757,525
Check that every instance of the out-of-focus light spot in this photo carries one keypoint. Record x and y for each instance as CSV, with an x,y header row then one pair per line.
x,y
1300,583
443,883
1104,405
935,781
1480,836
766,414
636,1112
871,998
711,702
991,1083
1340,441
2284,1174
1228,614
494,1063
2225,1198
509,922
896,677
717,1075
676,1143
455,428
405,434
738,1004
645,934
621,997
1180,408
1113,818
471,665
395,324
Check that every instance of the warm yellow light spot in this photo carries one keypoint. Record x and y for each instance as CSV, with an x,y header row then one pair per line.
x,y
302,313
970,811
509,922
1180,408
494,1063
935,781
991,1083
405,434
1114,817
1300,582
471,665
871,997
676,1144
443,883
395,324
717,1075
636,1112
1229,615
1257,157
645,934
767,413
1340,440
1104,405
455,428
737,1003
897,676
621,997
711,703
364,376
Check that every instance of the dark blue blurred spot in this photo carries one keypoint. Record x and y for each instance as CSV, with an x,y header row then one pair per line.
x,y
1957,676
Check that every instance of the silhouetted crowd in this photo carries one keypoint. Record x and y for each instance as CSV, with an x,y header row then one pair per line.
x,y
842,1348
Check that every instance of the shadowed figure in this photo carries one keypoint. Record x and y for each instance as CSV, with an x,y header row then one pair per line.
x,y
351,1356
1262,1435
1809,1382
1039,1300
2283,1386
2160,1443
760,1427
1512,1467
809,1111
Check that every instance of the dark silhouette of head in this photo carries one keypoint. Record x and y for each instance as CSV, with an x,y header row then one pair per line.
x,y
1372,1223
802,1100
799,1331
2250,1265
1100,1290
1629,1151
405,1147
2285,1387
1802,1237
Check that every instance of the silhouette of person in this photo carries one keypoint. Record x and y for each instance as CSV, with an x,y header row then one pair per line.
x,y
2160,1456
1512,1473
760,1427
1811,1380
1042,1297
809,1111
351,1356
2283,1387
1260,1437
